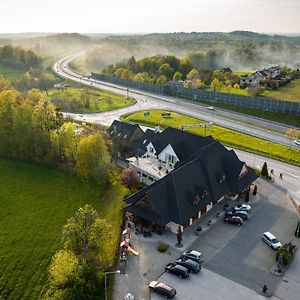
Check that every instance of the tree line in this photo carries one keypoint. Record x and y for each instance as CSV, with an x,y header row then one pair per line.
x,y
19,58
33,129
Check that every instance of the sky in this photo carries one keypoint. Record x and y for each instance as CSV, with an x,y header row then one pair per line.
x,y
141,16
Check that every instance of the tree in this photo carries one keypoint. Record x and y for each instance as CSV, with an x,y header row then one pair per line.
x,y
264,170
199,84
193,75
166,70
161,79
177,76
255,91
84,235
91,152
130,177
64,268
255,190
216,85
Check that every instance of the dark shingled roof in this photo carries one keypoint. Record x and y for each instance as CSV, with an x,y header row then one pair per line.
x,y
202,178
184,144
123,131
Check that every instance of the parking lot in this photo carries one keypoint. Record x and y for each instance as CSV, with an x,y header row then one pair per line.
x,y
236,259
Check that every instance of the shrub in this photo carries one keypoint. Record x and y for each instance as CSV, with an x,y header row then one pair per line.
x,y
265,288
162,247
287,255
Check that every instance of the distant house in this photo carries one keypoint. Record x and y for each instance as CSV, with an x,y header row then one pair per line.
x,y
249,81
272,72
124,136
226,70
186,175
259,75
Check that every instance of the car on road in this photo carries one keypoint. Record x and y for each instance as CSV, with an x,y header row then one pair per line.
x,y
193,255
234,220
244,207
128,296
189,264
210,108
162,288
297,142
242,214
271,240
178,270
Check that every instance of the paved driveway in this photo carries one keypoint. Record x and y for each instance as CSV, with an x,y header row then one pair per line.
x,y
237,262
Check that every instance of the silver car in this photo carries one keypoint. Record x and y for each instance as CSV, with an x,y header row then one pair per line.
x,y
271,240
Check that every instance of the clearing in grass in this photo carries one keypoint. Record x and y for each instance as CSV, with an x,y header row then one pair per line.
x,y
226,136
36,203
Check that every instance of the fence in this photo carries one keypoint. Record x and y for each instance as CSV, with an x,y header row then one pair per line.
x,y
260,103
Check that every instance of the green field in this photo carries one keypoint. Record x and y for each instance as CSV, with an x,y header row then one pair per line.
x,y
72,99
289,92
35,203
11,73
224,135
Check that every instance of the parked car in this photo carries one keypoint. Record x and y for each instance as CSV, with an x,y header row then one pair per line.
x,y
193,255
242,214
162,288
189,264
245,207
271,240
178,270
234,220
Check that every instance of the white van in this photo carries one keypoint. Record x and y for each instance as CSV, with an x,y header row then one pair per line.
x,y
271,240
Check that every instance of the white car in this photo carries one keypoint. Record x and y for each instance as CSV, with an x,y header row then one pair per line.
x,y
210,108
245,207
271,240
297,142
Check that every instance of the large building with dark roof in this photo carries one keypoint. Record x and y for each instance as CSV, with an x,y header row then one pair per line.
x,y
186,175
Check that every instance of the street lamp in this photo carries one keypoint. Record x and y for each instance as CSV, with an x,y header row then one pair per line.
x,y
106,273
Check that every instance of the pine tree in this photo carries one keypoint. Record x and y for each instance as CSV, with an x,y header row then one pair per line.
x,y
264,170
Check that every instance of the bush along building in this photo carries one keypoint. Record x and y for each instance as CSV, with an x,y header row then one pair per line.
x,y
185,176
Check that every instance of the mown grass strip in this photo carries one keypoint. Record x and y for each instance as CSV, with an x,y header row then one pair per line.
x,y
226,136
35,204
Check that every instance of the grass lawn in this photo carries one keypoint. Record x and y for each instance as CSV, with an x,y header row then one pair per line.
x,y
35,203
11,73
231,90
242,72
72,99
224,135
289,92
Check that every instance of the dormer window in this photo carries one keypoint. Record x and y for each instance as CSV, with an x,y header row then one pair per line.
x,y
223,178
151,150
204,194
144,142
125,136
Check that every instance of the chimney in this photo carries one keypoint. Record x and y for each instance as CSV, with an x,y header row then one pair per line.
x,y
157,129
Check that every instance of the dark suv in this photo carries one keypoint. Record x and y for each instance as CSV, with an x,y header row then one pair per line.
x,y
234,220
189,264
162,288
178,270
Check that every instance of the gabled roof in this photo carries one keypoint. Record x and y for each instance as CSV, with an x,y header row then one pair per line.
x,y
124,131
184,144
202,178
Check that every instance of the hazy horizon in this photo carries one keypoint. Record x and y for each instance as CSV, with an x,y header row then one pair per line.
x,y
135,16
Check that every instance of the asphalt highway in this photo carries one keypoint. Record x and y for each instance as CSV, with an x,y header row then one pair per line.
x,y
146,101
252,126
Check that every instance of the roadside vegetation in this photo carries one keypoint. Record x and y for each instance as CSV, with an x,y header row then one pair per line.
x,y
86,100
33,130
226,136
37,203
289,92
10,73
